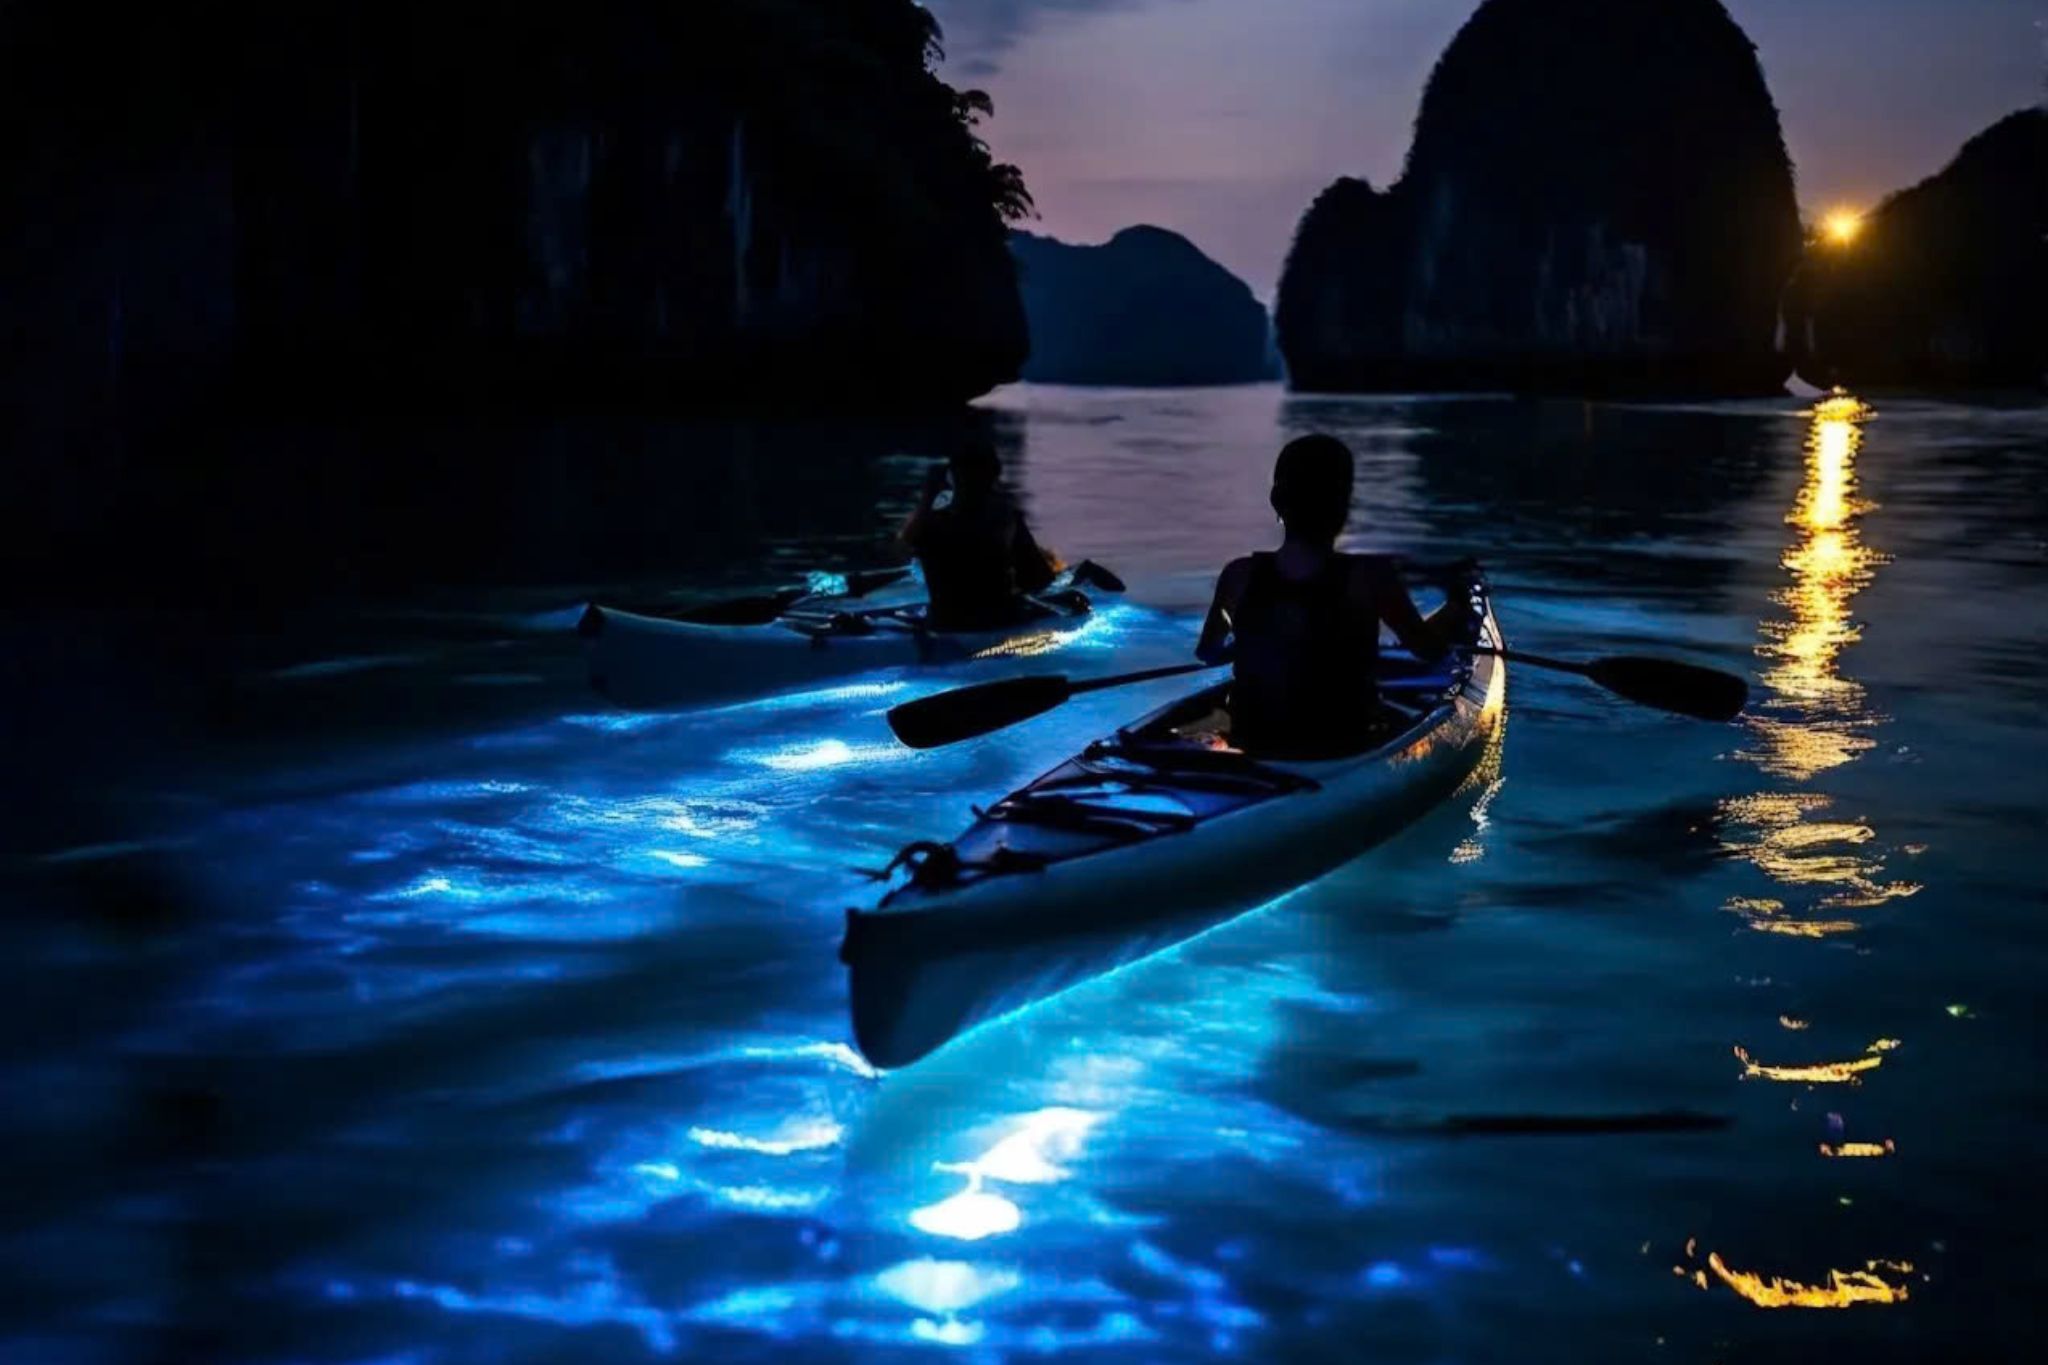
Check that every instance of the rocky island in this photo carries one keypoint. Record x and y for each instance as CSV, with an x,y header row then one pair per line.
x,y
1145,308
1944,284
1598,200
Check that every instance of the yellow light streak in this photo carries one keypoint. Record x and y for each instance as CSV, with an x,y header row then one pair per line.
x,y
1859,1149
1844,1288
1818,1073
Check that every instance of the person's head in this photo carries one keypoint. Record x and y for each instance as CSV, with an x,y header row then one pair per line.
x,y
975,467
1312,488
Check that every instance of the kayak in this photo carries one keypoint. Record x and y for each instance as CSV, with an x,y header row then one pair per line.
x,y
648,662
1149,837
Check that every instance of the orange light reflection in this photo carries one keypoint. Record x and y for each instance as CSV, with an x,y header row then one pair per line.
x,y
1844,1289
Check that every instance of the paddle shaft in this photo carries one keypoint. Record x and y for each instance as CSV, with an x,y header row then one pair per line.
x,y
949,717
1513,656
1516,656
1133,679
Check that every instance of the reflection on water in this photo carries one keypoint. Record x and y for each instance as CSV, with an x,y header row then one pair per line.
x,y
1817,1073
525,1040
1814,719
1858,1149
1487,780
1843,1289
1878,1282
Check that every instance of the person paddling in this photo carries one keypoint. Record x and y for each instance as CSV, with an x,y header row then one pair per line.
x,y
1300,626
977,551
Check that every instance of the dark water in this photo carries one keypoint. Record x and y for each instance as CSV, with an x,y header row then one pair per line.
x,y
445,1016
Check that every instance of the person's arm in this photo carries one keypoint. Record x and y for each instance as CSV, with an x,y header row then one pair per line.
x,y
1033,566
920,516
1217,645
1392,604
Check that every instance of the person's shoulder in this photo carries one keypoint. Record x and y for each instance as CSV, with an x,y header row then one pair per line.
x,y
1235,575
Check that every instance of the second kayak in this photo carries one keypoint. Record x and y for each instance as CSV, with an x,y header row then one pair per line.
x,y
1149,837
649,662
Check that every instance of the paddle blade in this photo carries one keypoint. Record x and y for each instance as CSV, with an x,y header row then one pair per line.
x,y
861,582
1686,689
1089,574
967,712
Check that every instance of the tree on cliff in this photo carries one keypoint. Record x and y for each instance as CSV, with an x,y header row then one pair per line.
x,y
1598,197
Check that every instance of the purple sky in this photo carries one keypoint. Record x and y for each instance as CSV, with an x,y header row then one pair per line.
x,y
1221,119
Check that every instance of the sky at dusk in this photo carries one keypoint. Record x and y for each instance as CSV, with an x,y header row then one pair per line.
x,y
1221,119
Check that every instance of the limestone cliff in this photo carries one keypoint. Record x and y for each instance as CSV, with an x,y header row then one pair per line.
x,y
1598,198
224,214
459,198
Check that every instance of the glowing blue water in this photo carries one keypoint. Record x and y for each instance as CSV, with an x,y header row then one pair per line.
x,y
528,1042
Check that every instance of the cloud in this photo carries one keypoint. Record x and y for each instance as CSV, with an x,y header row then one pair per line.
x,y
978,32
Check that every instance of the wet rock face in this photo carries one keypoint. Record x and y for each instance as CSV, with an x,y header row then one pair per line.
x,y
1598,199
1946,283
1144,308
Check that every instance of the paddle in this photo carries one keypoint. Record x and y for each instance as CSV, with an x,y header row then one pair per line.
x,y
970,712
1681,688
766,608
1089,574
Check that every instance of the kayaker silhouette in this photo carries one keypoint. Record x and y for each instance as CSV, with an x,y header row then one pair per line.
x,y
977,551
1300,625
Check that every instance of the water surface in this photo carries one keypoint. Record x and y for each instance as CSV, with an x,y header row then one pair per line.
x,y
509,1028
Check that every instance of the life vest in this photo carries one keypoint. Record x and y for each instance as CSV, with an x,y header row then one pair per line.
x,y
1305,664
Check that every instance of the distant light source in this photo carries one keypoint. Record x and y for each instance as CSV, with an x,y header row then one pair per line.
x,y
1842,227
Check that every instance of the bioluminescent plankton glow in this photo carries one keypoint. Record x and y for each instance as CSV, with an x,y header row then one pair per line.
x,y
449,1022
1025,1156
